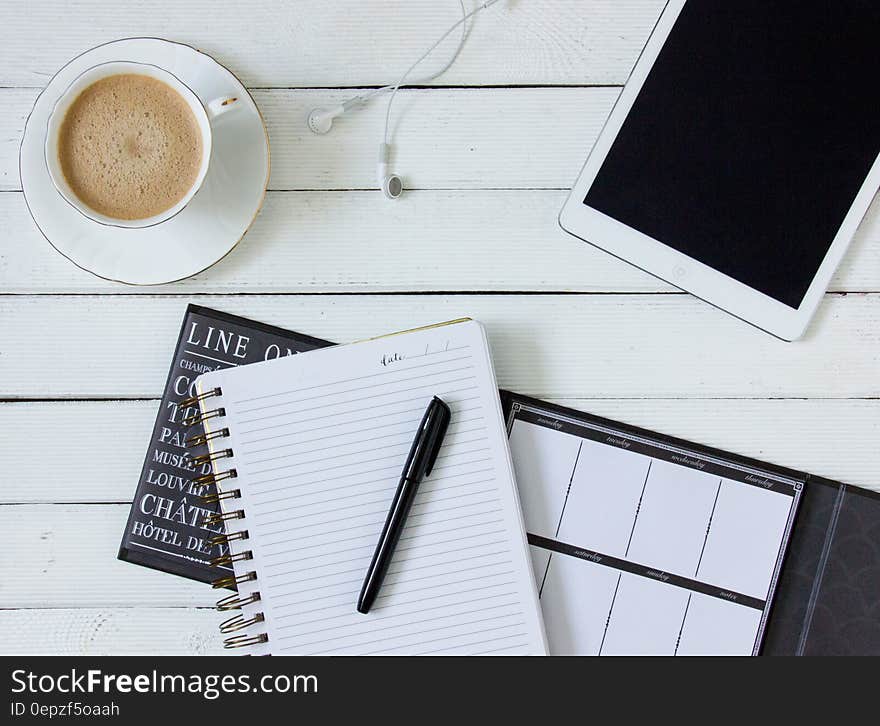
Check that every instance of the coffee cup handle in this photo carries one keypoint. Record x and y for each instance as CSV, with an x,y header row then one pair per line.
x,y
221,105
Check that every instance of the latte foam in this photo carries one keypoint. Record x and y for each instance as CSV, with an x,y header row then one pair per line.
x,y
130,146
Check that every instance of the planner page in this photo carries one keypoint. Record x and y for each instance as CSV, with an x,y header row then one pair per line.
x,y
318,443
640,547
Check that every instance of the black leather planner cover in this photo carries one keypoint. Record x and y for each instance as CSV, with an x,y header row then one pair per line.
x,y
829,591
164,529
827,599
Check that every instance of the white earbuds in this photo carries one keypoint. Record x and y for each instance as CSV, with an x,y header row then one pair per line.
x,y
390,184
320,119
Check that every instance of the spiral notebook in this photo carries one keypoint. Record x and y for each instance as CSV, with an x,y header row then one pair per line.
x,y
163,530
306,453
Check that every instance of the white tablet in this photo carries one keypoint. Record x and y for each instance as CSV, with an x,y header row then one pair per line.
x,y
742,154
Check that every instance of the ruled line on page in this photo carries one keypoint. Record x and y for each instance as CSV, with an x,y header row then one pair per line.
x,y
398,379
381,507
391,570
309,422
374,407
358,581
342,487
516,646
445,616
405,584
373,513
309,494
341,492
384,629
382,500
279,553
424,631
448,611
372,527
403,644
360,399
387,498
367,535
389,467
351,587
292,579
447,637
341,454
351,404
399,611
395,460
381,521
327,566
345,608
404,436
366,429
382,494
348,597
347,380
399,564
348,487
468,645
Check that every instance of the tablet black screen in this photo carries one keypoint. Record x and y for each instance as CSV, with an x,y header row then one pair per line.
x,y
751,137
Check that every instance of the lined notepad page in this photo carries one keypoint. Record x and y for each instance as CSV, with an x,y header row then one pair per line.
x,y
319,441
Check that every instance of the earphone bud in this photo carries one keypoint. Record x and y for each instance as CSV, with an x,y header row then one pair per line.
x,y
390,184
321,119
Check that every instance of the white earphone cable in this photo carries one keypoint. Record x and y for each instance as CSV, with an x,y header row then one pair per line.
x,y
364,97
320,120
443,37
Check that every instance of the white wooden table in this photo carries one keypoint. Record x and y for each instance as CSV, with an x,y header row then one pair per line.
x,y
488,154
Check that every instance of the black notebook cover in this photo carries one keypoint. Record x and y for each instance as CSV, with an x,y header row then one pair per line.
x,y
164,525
827,599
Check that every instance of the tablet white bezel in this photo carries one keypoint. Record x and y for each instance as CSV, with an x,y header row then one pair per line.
x,y
676,267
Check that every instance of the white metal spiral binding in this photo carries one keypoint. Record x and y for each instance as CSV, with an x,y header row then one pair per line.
x,y
217,456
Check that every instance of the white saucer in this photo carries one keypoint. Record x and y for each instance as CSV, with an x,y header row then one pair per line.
x,y
213,222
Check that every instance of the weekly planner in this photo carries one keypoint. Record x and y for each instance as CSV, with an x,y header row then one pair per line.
x,y
641,546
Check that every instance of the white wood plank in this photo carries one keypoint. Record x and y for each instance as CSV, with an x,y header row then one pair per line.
x,y
111,631
825,437
431,241
354,242
341,43
444,138
579,346
82,451
15,106
65,556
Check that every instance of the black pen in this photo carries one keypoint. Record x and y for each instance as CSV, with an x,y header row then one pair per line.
x,y
422,455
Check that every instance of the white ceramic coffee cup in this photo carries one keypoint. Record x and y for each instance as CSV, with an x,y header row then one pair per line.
x,y
204,114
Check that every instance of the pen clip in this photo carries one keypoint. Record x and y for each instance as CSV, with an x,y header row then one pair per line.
x,y
439,422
